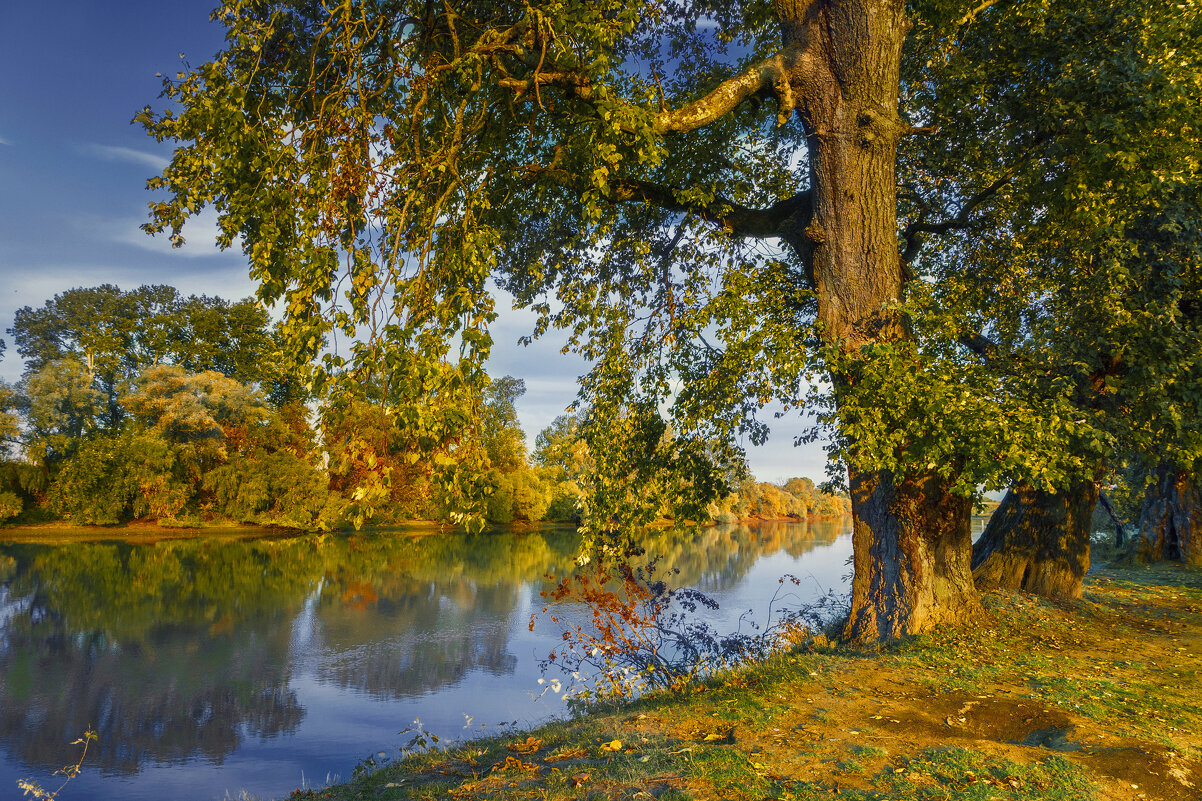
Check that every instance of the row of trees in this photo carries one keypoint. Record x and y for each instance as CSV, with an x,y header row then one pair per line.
x,y
150,404
112,429
964,234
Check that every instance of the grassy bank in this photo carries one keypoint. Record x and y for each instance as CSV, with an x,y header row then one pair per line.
x,y
1095,699
142,532
137,532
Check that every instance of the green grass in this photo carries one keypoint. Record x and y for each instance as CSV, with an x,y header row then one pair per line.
x,y
959,774
867,751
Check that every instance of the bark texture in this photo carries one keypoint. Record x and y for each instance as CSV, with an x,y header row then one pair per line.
x,y
912,538
846,61
1166,523
912,542
1037,541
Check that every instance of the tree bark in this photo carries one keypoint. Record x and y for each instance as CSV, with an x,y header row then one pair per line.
x,y
847,77
1037,541
1166,522
912,542
911,536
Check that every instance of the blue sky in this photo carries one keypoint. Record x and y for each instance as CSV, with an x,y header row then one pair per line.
x,y
73,172
72,167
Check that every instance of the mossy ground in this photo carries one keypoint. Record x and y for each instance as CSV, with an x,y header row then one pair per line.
x,y
1094,699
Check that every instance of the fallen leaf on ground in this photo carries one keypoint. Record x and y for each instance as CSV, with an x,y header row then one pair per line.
x,y
531,745
513,763
569,753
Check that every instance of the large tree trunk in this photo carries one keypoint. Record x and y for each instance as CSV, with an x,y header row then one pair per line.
x,y
1166,523
911,540
1037,541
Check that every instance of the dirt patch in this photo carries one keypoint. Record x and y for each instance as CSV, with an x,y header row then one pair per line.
x,y
1136,766
1024,721
1021,728
842,739
1145,771
704,732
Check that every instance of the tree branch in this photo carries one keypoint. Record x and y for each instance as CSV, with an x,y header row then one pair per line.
x,y
972,14
574,83
778,220
980,344
740,220
914,232
768,76
1120,527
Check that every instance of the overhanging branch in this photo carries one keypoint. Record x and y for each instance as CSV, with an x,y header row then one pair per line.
x,y
770,76
740,220
916,230
980,344
767,77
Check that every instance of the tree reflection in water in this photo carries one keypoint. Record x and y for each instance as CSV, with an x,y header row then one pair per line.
x,y
181,649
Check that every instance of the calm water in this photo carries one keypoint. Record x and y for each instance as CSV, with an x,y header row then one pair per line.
x,y
213,666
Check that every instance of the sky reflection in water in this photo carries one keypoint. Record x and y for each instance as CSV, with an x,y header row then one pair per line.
x,y
213,666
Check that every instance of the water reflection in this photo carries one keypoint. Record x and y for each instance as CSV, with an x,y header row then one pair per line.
x,y
717,558
189,649
416,643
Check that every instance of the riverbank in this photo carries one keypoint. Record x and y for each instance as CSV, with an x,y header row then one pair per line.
x,y
1095,699
144,532
138,532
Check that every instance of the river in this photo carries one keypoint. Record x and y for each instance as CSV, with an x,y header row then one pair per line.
x,y
212,667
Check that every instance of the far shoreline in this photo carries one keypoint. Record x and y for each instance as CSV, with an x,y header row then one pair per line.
x,y
145,532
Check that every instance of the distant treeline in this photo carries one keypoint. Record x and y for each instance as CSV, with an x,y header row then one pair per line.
x,y
150,405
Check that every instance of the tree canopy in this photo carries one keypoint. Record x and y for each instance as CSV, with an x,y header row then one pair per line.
x,y
704,197
116,334
1075,271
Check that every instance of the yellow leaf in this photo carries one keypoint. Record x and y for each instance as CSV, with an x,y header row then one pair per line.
x,y
612,745
531,745
567,753
709,738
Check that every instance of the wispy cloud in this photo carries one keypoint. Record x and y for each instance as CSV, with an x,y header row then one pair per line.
x,y
200,234
129,154
4,141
